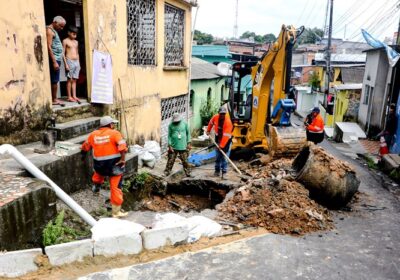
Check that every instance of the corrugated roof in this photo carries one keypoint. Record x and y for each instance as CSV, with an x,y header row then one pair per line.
x,y
203,70
352,75
210,50
335,57
348,86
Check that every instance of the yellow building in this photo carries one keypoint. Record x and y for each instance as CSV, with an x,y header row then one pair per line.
x,y
347,102
149,42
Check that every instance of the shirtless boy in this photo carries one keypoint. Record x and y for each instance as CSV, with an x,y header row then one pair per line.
x,y
72,66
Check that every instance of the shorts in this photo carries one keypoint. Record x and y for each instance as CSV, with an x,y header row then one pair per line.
x,y
55,74
74,68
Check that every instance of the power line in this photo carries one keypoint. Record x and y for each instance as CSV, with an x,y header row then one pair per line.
x,y
302,12
353,19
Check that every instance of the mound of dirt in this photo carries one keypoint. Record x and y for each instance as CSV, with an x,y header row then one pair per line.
x,y
329,161
281,206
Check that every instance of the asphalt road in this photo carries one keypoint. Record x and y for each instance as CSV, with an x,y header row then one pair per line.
x,y
364,245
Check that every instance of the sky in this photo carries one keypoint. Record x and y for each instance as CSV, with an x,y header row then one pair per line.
x,y
379,17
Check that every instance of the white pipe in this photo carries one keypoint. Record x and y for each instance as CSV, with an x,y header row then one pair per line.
x,y
21,159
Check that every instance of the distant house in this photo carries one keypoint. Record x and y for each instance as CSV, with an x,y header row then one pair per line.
x,y
208,86
347,102
381,85
243,50
212,53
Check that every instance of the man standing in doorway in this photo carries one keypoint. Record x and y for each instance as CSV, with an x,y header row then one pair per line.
x,y
56,54
109,149
390,128
178,144
223,132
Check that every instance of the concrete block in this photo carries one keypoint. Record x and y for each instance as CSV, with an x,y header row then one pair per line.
x,y
156,238
123,244
391,161
69,252
18,263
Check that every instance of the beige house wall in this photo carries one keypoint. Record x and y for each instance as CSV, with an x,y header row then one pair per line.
x,y
143,87
24,75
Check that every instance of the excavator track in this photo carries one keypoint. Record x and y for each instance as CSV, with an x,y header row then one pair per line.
x,y
285,141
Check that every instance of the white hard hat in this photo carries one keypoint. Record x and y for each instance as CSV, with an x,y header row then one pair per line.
x,y
106,120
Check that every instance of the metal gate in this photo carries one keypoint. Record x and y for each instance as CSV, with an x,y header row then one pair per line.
x,y
169,106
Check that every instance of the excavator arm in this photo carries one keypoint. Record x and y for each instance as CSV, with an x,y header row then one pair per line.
x,y
269,125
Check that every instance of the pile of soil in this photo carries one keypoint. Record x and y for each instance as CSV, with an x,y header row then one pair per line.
x,y
327,160
273,200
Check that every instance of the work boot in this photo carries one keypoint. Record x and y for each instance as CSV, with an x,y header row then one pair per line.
x,y
117,212
96,189
216,173
223,174
166,173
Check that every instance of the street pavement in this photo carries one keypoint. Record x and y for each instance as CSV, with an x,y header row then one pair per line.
x,y
364,245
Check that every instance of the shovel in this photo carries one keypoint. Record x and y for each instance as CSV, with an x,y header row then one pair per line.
x,y
227,158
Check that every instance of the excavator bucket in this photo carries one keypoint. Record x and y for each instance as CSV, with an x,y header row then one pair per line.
x,y
285,141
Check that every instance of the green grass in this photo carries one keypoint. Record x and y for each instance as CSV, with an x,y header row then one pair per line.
x,y
56,232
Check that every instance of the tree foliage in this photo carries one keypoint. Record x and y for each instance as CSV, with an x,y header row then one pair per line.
x,y
267,38
311,36
202,38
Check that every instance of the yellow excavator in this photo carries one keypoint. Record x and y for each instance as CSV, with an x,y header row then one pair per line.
x,y
259,105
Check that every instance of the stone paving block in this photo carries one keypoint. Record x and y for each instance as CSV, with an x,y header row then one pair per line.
x,y
69,252
123,244
156,238
18,263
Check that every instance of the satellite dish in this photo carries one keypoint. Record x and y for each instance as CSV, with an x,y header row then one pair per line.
x,y
224,69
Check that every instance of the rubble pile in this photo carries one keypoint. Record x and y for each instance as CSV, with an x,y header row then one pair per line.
x,y
273,200
334,165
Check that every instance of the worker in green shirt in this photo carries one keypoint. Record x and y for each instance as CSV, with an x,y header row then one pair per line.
x,y
178,144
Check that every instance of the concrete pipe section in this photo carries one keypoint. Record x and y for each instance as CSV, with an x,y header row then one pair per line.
x,y
331,182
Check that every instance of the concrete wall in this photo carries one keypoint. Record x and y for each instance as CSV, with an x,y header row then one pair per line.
x,y
200,89
376,69
24,74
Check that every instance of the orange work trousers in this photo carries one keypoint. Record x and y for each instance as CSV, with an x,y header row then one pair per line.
x,y
116,197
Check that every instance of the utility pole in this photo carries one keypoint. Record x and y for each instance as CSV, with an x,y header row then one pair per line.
x,y
326,19
235,26
328,51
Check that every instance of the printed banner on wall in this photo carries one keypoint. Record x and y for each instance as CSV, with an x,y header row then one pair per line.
x,y
102,82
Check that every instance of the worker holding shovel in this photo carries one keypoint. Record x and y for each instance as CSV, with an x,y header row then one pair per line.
x,y
223,133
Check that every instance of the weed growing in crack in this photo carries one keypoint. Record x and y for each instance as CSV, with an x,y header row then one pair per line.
x,y
57,232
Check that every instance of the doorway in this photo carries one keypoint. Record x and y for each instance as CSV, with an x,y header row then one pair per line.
x,y
72,12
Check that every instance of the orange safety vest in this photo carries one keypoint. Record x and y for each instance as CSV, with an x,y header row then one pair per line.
x,y
106,143
317,125
226,129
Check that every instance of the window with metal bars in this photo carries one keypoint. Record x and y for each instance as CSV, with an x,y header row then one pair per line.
x,y
174,36
141,32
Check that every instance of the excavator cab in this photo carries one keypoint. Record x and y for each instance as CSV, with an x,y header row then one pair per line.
x,y
240,97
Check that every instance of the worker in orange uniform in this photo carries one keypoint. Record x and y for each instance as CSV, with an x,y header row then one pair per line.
x,y
223,133
109,149
314,126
